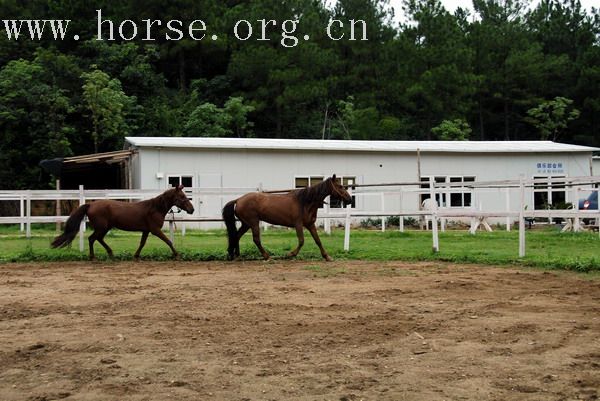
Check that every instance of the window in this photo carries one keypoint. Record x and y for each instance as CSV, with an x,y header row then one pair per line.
x,y
334,202
458,196
548,194
186,180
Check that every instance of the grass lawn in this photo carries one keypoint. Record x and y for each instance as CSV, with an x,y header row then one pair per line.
x,y
545,248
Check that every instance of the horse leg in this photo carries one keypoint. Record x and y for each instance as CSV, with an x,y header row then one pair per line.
x,y
104,244
142,243
300,234
91,240
243,229
256,238
313,231
167,241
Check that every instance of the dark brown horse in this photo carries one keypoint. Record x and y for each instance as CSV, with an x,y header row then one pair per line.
x,y
146,216
296,209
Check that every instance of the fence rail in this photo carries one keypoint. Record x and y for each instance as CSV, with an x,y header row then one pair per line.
x,y
437,214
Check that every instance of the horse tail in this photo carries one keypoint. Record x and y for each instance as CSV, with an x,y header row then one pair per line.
x,y
71,227
229,218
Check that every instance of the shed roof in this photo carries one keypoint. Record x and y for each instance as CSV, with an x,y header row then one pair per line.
x,y
357,146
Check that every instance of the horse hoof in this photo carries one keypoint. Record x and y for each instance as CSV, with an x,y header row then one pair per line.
x,y
328,259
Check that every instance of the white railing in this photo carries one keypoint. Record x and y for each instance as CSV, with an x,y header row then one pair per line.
x,y
437,215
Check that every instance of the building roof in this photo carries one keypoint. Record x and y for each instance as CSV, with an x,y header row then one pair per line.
x,y
357,146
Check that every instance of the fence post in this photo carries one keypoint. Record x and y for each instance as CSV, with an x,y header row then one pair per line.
x,y
22,212
347,229
383,218
434,219
327,221
28,214
576,222
521,218
401,217
82,225
58,211
172,230
507,194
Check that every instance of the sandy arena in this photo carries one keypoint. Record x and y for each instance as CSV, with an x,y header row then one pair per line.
x,y
290,330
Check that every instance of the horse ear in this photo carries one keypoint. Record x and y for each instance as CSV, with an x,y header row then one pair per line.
x,y
333,177
179,187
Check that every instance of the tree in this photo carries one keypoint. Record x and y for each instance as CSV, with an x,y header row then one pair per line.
x,y
552,117
238,116
33,123
208,120
442,81
452,130
108,106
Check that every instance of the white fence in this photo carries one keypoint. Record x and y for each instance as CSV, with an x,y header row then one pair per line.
x,y
576,186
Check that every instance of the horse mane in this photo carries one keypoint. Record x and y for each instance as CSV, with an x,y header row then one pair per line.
x,y
313,194
163,201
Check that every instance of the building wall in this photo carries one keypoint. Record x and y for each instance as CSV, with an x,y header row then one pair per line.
x,y
277,169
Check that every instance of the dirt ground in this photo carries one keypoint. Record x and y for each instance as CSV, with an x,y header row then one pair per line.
x,y
291,330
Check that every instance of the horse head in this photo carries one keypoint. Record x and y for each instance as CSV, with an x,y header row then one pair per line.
x,y
338,190
181,200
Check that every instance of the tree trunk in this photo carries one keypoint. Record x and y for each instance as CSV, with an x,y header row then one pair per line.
x,y
181,65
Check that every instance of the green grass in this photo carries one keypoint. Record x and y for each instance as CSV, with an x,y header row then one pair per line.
x,y
545,248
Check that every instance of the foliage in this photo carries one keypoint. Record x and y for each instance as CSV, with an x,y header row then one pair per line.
x,y
108,106
552,117
452,130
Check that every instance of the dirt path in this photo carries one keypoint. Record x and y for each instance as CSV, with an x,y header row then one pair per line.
x,y
296,331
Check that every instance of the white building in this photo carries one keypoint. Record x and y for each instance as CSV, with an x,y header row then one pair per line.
x,y
159,162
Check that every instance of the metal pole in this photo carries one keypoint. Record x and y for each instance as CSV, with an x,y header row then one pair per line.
x,y
522,218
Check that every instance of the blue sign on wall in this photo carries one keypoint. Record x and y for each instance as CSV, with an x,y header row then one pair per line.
x,y
550,167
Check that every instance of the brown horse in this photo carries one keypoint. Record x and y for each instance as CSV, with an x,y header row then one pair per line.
x,y
296,209
146,216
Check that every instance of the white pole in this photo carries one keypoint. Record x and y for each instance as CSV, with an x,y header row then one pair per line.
x,y
327,221
576,223
434,219
82,225
522,218
57,205
28,214
401,217
22,212
507,195
383,218
598,218
172,231
347,230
